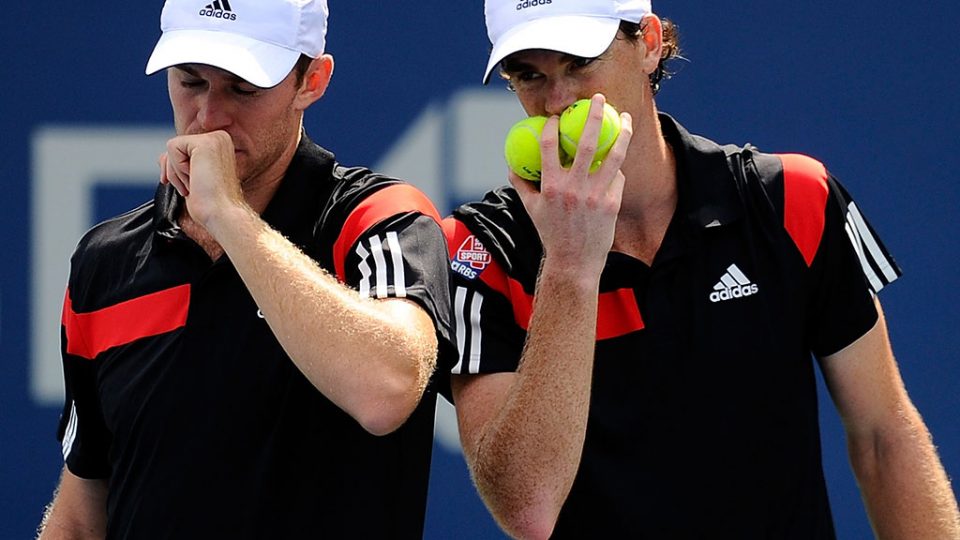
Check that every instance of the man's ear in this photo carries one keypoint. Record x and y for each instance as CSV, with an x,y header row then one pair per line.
x,y
651,38
315,81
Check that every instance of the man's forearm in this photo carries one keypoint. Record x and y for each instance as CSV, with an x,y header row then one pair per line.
x,y
78,510
903,483
527,460
371,358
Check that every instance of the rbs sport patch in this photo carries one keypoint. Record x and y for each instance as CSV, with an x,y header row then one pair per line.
x,y
471,258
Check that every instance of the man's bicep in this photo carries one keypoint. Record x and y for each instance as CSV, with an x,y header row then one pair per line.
x,y
851,267
78,510
864,381
403,257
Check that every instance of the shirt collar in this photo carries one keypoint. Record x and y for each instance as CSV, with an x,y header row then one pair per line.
x,y
293,208
707,188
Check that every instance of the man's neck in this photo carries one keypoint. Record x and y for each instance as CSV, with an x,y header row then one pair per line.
x,y
260,190
650,192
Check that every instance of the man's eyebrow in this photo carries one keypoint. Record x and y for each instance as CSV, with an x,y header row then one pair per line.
x,y
513,65
187,69
191,70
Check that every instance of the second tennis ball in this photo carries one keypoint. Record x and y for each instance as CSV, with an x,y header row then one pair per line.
x,y
571,126
522,147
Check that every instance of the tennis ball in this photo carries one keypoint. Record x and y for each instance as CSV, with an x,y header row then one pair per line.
x,y
522,147
571,127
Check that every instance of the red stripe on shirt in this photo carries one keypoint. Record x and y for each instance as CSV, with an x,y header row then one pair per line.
x,y
522,302
492,274
389,201
617,312
89,334
804,202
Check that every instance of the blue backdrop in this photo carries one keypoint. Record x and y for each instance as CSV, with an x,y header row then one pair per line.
x,y
870,89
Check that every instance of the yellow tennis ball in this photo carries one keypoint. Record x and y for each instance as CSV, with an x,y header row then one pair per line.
x,y
571,127
522,147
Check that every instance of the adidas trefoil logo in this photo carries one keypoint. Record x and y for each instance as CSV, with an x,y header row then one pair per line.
x,y
219,9
732,285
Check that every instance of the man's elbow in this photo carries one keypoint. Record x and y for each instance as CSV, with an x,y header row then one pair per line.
x,y
529,524
383,420
385,404
871,451
389,406
520,513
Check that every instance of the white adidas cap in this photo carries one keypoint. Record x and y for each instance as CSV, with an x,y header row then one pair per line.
x,y
256,40
579,27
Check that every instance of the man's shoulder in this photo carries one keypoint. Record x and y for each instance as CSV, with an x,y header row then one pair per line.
x,y
357,182
752,167
500,208
359,192
501,225
119,233
108,261
346,184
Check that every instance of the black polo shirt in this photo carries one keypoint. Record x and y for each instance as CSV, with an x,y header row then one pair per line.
x,y
179,394
703,415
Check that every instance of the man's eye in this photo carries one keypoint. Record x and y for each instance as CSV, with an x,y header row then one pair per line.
x,y
191,83
582,62
244,91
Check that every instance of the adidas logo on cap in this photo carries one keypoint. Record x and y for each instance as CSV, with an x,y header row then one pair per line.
x,y
219,9
732,285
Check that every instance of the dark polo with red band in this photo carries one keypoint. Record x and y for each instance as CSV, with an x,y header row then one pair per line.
x,y
704,396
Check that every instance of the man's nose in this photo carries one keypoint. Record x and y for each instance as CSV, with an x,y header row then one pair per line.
x,y
561,93
215,112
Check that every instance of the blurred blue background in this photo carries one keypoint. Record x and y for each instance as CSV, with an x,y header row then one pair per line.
x,y
868,88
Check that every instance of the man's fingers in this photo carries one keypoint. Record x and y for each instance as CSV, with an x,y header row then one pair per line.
x,y
179,150
587,146
176,175
162,161
550,148
618,152
525,188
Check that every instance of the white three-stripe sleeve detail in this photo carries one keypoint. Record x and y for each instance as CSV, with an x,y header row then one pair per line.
x,y
382,269
867,269
70,434
475,332
376,247
459,299
467,307
875,252
365,271
399,283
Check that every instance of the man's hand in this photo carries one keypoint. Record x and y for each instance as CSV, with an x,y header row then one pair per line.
x,y
203,170
575,212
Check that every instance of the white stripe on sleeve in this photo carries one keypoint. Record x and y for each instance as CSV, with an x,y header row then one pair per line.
x,y
875,282
475,332
399,279
365,271
467,305
875,252
376,247
459,299
70,434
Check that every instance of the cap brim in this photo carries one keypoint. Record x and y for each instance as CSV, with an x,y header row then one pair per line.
x,y
261,64
578,35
